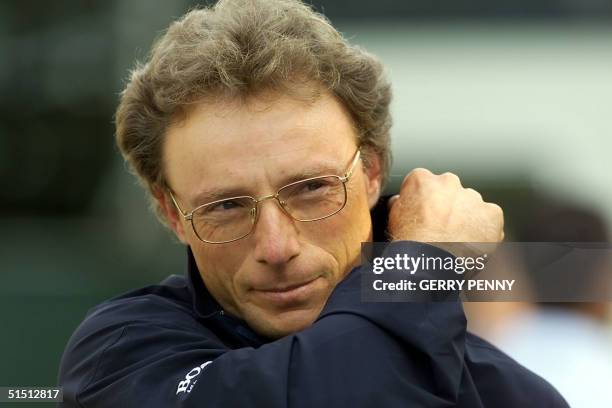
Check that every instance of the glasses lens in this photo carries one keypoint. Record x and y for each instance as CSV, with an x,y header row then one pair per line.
x,y
313,199
224,220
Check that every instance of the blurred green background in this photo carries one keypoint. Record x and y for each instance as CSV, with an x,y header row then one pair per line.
x,y
513,96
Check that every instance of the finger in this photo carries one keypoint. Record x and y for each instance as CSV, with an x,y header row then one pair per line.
x,y
451,177
474,193
417,176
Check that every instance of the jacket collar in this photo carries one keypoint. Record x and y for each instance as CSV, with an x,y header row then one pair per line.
x,y
233,330
204,304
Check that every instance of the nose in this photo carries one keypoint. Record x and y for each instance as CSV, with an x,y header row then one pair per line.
x,y
275,235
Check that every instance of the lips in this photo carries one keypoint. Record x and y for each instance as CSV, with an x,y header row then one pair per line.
x,y
286,288
289,294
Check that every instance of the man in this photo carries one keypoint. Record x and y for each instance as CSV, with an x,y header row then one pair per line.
x,y
263,138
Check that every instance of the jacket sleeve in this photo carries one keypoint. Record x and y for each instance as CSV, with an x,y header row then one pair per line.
x,y
356,354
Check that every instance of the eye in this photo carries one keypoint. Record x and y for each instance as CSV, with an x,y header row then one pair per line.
x,y
225,206
313,188
313,185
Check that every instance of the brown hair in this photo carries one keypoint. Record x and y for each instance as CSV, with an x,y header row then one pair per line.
x,y
238,48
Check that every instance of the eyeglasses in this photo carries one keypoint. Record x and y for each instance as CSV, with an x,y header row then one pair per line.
x,y
233,218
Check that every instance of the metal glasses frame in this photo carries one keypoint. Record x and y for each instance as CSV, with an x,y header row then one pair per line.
x,y
188,216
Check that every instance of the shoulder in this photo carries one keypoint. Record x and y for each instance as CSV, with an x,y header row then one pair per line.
x,y
160,303
130,329
500,378
167,304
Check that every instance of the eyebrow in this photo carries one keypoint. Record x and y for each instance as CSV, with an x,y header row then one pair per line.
x,y
209,195
213,194
321,169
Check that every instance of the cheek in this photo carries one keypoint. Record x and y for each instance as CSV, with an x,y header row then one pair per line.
x,y
219,267
357,212
342,234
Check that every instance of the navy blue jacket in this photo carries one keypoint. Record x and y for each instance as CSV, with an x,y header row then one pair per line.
x,y
171,345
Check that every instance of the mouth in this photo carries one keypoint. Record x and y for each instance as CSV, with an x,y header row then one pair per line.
x,y
289,295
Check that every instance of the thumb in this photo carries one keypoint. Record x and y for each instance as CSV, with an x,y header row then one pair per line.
x,y
391,201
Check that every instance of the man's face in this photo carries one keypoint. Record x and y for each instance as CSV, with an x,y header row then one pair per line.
x,y
279,277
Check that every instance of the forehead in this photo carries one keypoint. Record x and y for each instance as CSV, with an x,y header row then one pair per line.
x,y
256,143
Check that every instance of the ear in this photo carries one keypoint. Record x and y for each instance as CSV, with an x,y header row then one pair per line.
x,y
373,178
174,220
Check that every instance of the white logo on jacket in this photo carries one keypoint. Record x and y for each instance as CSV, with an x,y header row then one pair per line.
x,y
187,384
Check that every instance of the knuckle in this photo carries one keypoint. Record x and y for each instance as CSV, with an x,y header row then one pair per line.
x,y
452,177
496,208
474,193
419,172
497,211
417,175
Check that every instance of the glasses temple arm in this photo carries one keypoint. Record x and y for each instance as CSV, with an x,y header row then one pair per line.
x,y
176,204
349,173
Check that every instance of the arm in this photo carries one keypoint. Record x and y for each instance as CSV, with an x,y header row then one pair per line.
x,y
351,356
356,354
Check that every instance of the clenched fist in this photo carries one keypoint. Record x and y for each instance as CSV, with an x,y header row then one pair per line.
x,y
432,208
